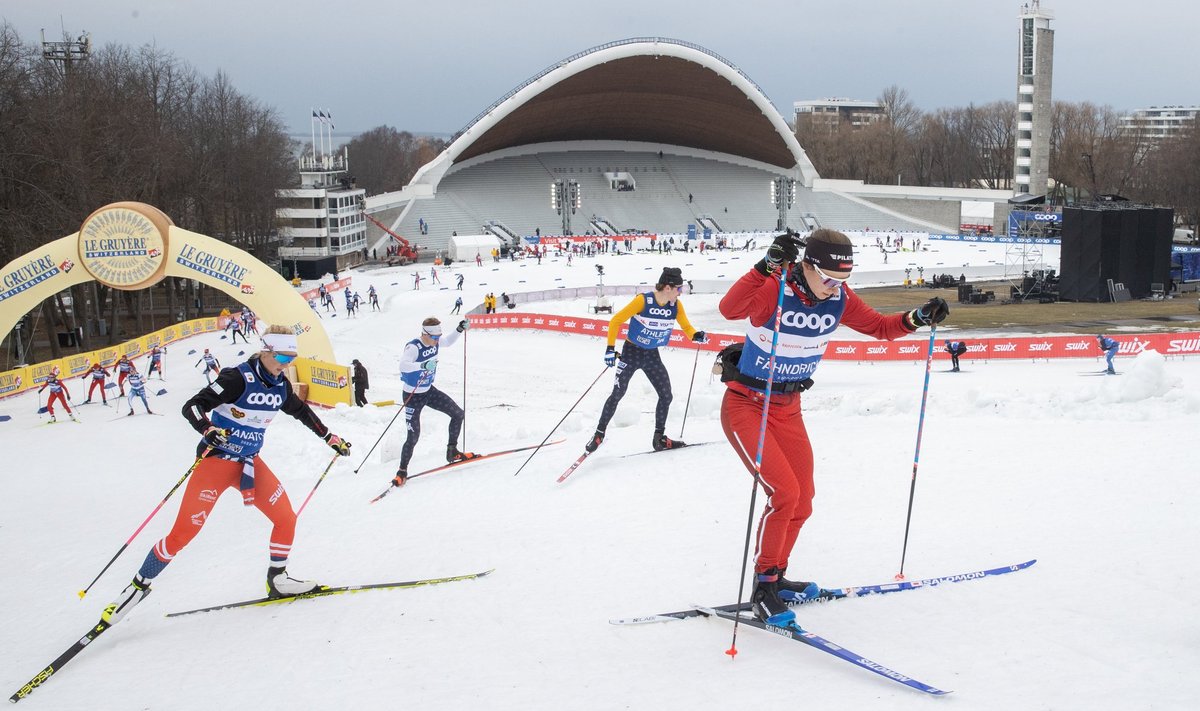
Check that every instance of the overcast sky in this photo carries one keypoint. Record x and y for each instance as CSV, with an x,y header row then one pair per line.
x,y
431,67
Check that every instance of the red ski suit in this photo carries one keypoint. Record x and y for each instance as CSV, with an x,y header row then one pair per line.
x,y
787,458
98,373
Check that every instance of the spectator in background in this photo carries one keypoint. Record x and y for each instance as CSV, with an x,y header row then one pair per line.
x,y
361,383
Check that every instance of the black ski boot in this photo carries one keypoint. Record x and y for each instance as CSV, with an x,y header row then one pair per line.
x,y
401,477
453,455
594,443
661,442
791,591
765,600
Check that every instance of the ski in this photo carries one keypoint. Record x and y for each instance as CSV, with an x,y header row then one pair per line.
x,y
836,594
575,465
76,420
56,665
796,632
672,449
451,465
327,591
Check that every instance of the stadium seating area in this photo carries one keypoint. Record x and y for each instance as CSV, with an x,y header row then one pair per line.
x,y
515,191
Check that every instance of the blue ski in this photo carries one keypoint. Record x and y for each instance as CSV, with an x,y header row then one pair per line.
x,y
837,594
799,634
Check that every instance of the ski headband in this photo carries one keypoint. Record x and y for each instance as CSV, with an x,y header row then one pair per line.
x,y
434,331
828,256
280,343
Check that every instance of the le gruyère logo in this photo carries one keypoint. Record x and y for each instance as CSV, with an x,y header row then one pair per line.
x,y
121,247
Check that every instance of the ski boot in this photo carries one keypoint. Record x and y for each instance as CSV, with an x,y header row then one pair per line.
x,y
53,419
765,600
792,592
594,443
401,477
453,455
129,597
73,417
661,442
280,584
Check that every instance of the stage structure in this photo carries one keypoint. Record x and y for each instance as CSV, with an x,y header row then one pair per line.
x,y
1109,243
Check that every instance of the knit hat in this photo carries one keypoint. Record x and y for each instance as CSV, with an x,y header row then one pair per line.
x,y
830,251
671,276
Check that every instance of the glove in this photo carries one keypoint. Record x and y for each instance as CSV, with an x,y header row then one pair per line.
x,y
934,311
806,384
339,445
699,337
430,364
785,248
463,325
610,356
215,436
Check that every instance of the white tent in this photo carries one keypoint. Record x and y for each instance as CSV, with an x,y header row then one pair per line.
x,y
465,247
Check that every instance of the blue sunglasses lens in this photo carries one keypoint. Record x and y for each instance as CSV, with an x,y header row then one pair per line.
x,y
283,358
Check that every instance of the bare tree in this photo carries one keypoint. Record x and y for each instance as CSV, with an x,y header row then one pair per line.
x,y
385,159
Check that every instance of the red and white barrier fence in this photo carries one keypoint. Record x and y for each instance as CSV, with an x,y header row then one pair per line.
x,y
912,348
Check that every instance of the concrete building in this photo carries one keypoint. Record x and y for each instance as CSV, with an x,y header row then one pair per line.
x,y
1158,122
832,113
322,221
1035,65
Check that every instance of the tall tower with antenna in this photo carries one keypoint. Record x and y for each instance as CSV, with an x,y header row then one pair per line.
x,y
67,51
1035,65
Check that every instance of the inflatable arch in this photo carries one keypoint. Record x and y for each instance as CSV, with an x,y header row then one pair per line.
x,y
130,246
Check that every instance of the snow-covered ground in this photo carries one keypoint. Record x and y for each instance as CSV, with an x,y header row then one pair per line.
x,y
1020,460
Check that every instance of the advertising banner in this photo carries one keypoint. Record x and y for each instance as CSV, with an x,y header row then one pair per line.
x,y
343,283
907,349
328,383
14,382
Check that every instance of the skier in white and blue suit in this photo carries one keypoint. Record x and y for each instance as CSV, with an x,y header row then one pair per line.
x,y
418,368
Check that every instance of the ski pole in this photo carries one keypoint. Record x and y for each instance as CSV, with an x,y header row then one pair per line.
x,y
464,405
691,384
912,489
564,417
178,484
762,441
319,480
385,429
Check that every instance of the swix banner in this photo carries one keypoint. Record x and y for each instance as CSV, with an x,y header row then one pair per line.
x,y
910,348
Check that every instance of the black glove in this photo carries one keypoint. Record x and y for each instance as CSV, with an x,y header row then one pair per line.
x,y
338,444
610,356
806,384
785,248
934,311
463,325
215,436
699,337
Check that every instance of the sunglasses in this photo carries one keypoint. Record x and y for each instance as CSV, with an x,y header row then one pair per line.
x,y
283,358
828,281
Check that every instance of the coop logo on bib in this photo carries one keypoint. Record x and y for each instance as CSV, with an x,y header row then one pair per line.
x,y
270,399
798,319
